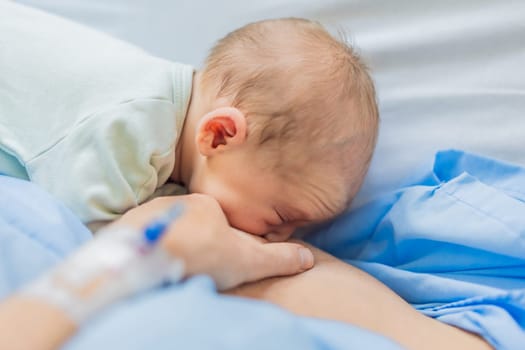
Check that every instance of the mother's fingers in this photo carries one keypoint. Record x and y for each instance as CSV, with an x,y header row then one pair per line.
x,y
278,259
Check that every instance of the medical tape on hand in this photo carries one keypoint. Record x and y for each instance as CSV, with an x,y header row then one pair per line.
x,y
117,263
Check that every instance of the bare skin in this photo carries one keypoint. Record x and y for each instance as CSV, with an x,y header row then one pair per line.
x,y
331,290
350,302
208,246
214,156
335,290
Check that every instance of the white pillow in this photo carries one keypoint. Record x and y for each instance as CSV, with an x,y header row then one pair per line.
x,y
449,74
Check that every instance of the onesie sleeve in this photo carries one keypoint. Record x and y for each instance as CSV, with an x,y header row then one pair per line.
x,y
111,161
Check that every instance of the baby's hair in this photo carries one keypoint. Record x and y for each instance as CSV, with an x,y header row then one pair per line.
x,y
299,87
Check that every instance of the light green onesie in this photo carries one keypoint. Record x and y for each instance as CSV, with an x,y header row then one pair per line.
x,y
89,118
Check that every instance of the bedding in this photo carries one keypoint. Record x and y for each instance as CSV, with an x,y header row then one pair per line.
x,y
451,243
446,233
37,232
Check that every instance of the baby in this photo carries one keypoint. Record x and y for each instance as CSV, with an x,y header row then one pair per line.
x,y
279,126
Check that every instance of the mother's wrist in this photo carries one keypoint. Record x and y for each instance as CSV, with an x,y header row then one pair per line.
x,y
114,265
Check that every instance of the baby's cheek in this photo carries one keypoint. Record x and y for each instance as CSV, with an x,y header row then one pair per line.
x,y
244,222
251,227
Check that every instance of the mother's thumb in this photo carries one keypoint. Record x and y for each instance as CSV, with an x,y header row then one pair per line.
x,y
285,259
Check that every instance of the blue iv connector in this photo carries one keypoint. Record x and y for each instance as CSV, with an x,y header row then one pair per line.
x,y
156,228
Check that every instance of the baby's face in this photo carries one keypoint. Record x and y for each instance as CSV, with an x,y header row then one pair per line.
x,y
261,203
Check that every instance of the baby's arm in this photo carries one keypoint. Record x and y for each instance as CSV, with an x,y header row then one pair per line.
x,y
338,291
111,162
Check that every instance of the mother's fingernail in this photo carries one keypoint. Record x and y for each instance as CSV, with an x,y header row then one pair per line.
x,y
307,258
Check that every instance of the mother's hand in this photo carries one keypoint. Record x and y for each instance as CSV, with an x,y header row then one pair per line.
x,y
208,245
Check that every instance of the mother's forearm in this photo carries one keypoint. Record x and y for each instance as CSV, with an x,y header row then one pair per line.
x,y
335,290
29,324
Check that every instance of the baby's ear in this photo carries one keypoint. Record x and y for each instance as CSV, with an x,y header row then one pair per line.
x,y
221,129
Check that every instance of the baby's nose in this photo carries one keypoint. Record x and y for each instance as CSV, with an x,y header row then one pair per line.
x,y
281,234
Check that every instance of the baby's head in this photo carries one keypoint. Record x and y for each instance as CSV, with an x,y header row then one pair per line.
x,y
284,125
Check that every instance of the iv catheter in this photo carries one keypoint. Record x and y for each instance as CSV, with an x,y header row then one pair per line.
x,y
120,261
